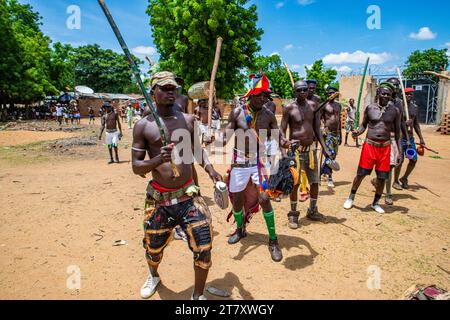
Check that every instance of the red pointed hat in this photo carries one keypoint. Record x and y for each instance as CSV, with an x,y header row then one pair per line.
x,y
259,83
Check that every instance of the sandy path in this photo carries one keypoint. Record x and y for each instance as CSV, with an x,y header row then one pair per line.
x,y
50,212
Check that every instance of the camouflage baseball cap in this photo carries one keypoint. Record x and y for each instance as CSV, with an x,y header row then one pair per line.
x,y
164,78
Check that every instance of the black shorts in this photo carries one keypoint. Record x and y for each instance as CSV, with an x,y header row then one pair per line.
x,y
192,217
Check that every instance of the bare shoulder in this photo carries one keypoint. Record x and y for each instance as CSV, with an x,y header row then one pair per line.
x,y
290,106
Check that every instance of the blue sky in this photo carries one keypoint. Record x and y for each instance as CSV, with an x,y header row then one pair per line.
x,y
300,31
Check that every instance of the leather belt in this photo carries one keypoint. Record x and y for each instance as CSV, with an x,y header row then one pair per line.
x,y
378,144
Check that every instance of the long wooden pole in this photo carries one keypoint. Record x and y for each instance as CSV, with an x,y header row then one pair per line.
x,y
405,102
137,75
213,79
361,88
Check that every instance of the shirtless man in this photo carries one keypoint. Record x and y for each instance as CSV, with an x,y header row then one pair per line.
x,y
398,103
252,119
171,200
111,121
411,125
304,128
91,115
380,119
331,116
312,87
350,121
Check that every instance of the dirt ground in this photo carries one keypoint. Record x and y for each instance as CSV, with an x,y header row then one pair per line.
x,y
65,206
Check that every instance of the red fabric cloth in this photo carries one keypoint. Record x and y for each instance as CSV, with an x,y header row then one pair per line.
x,y
162,189
407,90
371,156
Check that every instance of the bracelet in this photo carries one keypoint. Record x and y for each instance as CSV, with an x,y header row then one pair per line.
x,y
138,150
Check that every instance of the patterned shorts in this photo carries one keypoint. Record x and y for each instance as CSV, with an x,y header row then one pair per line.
x,y
193,218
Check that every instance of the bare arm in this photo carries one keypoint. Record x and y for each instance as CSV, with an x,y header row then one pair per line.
x,y
139,164
397,128
418,130
102,127
318,134
118,123
364,123
229,129
284,124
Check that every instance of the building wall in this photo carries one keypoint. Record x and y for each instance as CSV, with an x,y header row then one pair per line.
x,y
443,100
349,88
96,104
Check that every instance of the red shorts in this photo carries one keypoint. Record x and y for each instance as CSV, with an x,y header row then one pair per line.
x,y
371,156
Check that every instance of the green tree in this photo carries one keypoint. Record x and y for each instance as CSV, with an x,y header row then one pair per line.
x,y
26,55
103,70
428,60
185,33
62,66
278,76
323,77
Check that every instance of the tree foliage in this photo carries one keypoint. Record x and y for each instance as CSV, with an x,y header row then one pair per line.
x,y
185,33
323,77
103,70
428,60
278,76
26,56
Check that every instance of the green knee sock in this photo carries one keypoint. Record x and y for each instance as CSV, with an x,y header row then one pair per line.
x,y
238,217
270,222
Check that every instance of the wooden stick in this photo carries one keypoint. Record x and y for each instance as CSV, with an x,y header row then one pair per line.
x,y
213,79
290,74
137,75
405,102
439,75
150,62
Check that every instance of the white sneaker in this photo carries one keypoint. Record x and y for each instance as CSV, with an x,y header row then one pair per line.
x,y
149,287
202,297
377,208
330,184
348,204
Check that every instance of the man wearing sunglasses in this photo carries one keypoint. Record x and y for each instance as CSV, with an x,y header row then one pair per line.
x,y
171,200
304,128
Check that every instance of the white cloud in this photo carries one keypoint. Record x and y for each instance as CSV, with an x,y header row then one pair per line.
x,y
276,53
305,2
279,5
447,45
307,66
144,51
295,67
288,47
358,57
424,33
343,69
